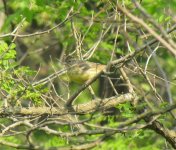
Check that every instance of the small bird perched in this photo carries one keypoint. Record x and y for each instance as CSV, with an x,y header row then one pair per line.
x,y
80,71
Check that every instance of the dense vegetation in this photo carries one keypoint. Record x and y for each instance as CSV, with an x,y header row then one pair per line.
x,y
130,104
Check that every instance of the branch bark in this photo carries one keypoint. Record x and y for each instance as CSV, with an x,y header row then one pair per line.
x,y
88,107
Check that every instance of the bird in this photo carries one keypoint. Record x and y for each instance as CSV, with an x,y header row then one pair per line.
x,y
80,71
77,71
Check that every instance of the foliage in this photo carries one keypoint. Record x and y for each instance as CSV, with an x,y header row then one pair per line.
x,y
43,33
11,76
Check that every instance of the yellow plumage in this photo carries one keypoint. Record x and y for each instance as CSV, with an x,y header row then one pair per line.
x,y
81,71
